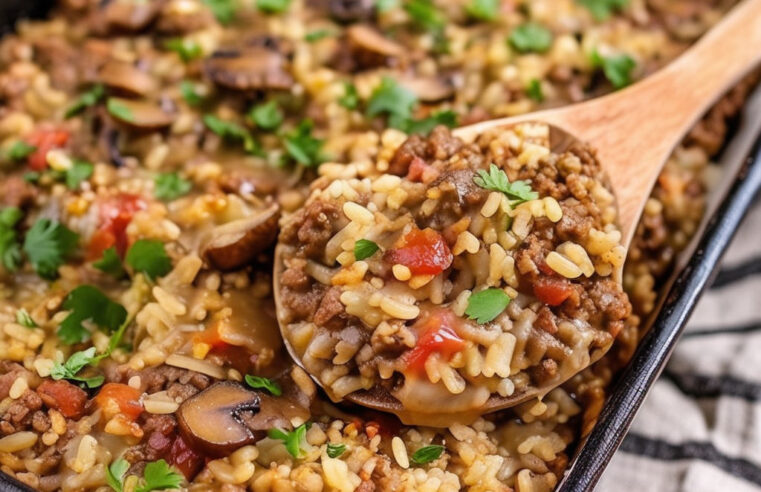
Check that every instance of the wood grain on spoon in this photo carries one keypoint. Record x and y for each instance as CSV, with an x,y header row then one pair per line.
x,y
636,129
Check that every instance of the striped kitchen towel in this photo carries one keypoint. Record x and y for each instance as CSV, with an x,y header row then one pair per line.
x,y
699,430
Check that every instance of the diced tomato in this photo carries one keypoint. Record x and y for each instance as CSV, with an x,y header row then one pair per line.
x,y
184,458
45,140
420,171
116,396
436,336
63,396
552,290
115,215
423,252
210,336
372,429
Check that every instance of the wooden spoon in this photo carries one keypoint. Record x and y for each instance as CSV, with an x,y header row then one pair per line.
x,y
634,132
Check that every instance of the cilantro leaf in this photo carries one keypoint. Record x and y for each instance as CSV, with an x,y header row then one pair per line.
x,y
534,90
189,93
350,99
273,6
485,10
293,440
118,109
88,303
170,186
223,10
336,450
110,263
426,454
149,256
158,475
79,171
531,37
232,131
187,48
75,363
602,9
10,248
394,100
486,305
426,125
19,151
47,244
617,68
317,35
302,146
258,382
364,248
115,474
25,319
266,116
496,180
85,100
425,15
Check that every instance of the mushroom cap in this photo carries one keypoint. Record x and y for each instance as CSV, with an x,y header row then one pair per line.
x,y
235,244
251,69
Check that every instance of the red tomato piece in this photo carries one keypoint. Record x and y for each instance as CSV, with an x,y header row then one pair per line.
x,y
423,252
126,397
552,290
63,396
115,215
184,458
45,140
419,169
437,336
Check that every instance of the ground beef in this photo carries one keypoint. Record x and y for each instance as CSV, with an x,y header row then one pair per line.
x,y
312,227
576,222
164,377
329,308
16,192
459,193
303,304
20,413
295,277
440,145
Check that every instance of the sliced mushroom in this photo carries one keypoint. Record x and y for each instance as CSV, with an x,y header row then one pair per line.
x,y
251,69
429,89
274,412
351,10
126,78
213,420
184,16
139,114
366,38
236,243
130,15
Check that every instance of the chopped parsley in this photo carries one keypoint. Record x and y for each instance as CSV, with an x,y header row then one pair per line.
x,y
273,6
425,15
115,474
87,303
110,263
496,180
190,93
534,90
10,247
617,68
258,382
170,186
364,248
187,48
293,440
350,99
394,100
118,109
85,100
223,10
19,151
426,454
336,450
486,305
531,37
158,475
317,35
25,319
484,10
267,116
79,171
602,9
232,131
47,244
425,125
75,363
302,146
149,257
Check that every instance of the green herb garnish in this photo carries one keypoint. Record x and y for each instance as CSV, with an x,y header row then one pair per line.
x,y
258,382
19,151
170,186
425,15
25,319
602,9
350,99
496,180
223,10
484,10
88,303
79,171
119,110
110,263
232,131
75,363
385,5
267,116
317,35
426,454
424,126
10,247
158,475
531,37
85,100
273,6
364,248
534,90
47,244
293,440
149,257
186,48
394,100
617,68
336,450
189,94
486,305
303,147
115,474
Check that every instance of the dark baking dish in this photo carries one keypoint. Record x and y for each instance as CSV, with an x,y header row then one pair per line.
x,y
633,383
